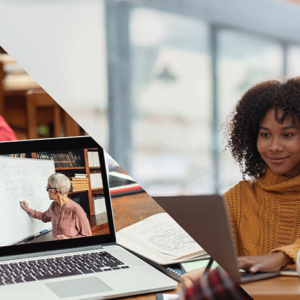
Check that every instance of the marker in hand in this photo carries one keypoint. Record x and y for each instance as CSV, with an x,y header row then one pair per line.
x,y
23,204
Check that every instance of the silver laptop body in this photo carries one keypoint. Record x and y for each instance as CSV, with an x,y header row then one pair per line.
x,y
205,219
136,277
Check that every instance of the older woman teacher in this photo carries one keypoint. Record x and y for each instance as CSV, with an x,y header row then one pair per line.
x,y
68,218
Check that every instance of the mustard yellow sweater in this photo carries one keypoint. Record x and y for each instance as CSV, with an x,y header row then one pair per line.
x,y
265,215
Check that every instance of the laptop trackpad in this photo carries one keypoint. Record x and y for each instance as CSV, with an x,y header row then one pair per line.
x,y
77,287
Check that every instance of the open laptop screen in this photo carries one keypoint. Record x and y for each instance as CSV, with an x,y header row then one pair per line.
x,y
25,168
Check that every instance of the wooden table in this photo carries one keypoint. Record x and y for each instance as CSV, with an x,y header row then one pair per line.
x,y
133,208
279,288
130,209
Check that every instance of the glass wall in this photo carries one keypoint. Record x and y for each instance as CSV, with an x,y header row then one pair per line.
x,y
172,94
171,88
293,61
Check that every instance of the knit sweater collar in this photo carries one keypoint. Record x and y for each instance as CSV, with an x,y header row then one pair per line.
x,y
279,184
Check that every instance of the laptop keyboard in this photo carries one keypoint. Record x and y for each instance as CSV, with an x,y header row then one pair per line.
x,y
50,268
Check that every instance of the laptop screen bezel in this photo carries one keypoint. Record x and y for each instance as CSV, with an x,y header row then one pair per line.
x,y
52,144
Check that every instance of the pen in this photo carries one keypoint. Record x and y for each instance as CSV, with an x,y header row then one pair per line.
x,y
207,269
23,204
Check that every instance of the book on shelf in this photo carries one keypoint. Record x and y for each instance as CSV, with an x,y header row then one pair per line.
x,y
80,175
19,155
67,160
160,239
93,159
99,204
61,160
79,188
75,190
79,180
44,155
56,159
79,184
73,159
77,158
96,180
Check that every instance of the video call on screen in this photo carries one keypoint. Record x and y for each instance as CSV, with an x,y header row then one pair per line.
x,y
24,177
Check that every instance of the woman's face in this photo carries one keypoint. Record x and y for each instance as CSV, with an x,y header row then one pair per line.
x,y
52,193
279,144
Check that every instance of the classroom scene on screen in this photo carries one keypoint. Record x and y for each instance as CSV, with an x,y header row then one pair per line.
x,y
51,195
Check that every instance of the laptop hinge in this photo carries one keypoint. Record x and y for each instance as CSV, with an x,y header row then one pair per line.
x,y
52,252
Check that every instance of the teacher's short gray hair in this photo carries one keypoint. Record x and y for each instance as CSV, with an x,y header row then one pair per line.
x,y
60,182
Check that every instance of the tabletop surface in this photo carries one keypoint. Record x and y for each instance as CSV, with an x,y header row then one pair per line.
x,y
278,288
130,209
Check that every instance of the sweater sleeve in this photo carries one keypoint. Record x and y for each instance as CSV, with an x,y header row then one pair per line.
x,y
291,251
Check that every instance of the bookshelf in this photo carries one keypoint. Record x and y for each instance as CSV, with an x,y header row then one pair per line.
x,y
16,89
82,168
91,169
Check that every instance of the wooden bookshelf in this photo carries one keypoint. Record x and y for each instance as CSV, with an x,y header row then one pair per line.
x,y
69,168
98,224
91,170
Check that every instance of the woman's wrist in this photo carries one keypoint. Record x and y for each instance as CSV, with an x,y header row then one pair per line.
x,y
283,258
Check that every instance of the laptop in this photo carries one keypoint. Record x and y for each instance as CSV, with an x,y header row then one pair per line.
x,y
32,264
205,219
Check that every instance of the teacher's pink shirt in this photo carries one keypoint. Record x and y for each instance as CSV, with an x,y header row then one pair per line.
x,y
70,220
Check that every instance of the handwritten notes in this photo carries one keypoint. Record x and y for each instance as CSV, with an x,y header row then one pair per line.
x,y
161,236
22,179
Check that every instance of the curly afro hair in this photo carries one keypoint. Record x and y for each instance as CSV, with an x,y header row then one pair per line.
x,y
243,123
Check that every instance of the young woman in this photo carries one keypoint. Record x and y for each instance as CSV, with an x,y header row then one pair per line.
x,y
263,135
68,218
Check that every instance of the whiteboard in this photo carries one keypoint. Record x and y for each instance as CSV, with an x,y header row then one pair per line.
x,y
22,179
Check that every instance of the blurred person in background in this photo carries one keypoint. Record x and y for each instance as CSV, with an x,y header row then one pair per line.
x,y
6,133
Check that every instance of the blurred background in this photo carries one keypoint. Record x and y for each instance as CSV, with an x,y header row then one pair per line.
x,y
152,81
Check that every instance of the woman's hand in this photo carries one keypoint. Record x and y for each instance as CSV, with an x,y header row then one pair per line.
x,y
62,237
24,205
265,263
190,278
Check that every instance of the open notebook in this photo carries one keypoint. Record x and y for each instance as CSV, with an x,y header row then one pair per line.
x,y
205,219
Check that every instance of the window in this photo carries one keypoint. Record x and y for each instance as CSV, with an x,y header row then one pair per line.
x,y
172,106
